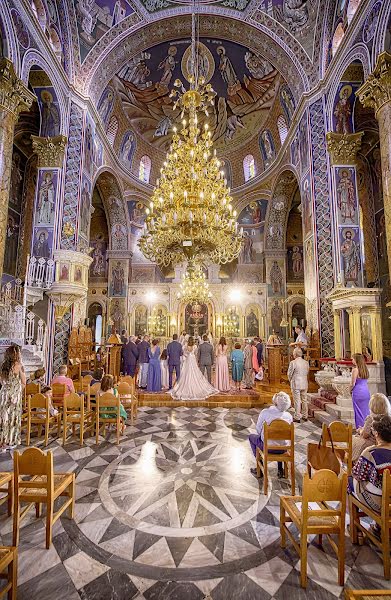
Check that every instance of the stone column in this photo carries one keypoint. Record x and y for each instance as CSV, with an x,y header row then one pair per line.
x,y
376,93
376,333
343,148
14,98
337,335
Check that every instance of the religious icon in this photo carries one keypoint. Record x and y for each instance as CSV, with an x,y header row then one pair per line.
x,y
140,320
276,315
41,245
88,148
106,106
127,148
118,280
50,126
252,324
276,281
351,255
346,200
343,111
168,65
246,255
119,237
227,72
297,262
78,273
267,147
85,208
64,273
287,102
307,208
11,247
46,198
98,266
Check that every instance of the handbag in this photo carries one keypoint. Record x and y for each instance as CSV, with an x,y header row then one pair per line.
x,y
259,375
320,456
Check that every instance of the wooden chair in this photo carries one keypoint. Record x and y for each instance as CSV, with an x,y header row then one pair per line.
x,y
36,483
83,387
341,434
31,389
367,594
94,391
279,431
75,413
357,510
58,393
8,563
38,414
107,404
324,487
87,379
7,487
128,397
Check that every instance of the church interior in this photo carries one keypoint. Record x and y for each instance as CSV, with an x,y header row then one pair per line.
x,y
216,171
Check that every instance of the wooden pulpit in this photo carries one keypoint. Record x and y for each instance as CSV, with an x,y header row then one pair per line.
x,y
274,360
114,346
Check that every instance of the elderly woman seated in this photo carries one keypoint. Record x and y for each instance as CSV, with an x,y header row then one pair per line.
x,y
367,474
281,403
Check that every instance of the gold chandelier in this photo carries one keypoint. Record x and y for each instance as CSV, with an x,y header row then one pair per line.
x,y
190,213
194,288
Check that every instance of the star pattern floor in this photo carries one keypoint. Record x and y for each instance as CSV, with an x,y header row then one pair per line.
x,y
172,513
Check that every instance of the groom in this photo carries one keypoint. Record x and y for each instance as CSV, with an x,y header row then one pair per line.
x,y
174,353
206,357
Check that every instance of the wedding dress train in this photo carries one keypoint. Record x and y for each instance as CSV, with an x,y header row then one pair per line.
x,y
192,385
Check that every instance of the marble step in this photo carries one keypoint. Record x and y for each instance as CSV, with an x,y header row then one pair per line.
x,y
322,417
341,413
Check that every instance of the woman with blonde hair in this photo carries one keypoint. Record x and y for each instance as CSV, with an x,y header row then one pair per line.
x,y
360,390
379,405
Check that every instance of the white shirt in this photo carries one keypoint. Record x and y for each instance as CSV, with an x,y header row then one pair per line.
x,y
268,415
302,338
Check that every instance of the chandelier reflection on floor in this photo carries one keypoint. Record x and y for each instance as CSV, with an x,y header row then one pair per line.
x,y
190,213
194,288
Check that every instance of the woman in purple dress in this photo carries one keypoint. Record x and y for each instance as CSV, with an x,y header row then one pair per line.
x,y
154,380
360,390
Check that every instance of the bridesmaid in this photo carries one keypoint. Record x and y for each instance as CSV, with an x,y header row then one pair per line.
x,y
164,369
237,359
154,380
222,373
360,390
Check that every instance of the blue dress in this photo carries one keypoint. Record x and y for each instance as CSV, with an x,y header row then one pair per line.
x,y
154,380
361,396
237,359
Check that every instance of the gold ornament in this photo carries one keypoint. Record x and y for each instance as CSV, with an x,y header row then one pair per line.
x,y
194,288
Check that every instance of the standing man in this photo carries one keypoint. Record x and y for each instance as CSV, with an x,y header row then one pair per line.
x,y
260,348
144,361
301,341
206,357
174,353
124,336
298,376
130,354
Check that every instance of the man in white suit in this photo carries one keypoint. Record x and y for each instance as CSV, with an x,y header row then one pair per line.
x,y
298,377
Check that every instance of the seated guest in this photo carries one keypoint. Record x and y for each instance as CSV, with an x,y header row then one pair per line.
x,y
37,376
47,391
366,480
62,378
279,410
379,405
107,386
97,375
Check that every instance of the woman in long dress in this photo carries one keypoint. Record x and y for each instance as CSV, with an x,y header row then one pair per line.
x,y
237,360
154,379
191,385
13,379
248,380
164,369
222,373
360,390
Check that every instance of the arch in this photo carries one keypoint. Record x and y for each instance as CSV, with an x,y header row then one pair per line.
x,y
112,129
337,38
248,167
115,207
10,46
278,209
144,171
282,128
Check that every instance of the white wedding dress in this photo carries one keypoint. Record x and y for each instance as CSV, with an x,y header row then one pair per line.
x,y
192,385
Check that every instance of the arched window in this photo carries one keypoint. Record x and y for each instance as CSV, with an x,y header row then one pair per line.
x,y
282,128
352,8
112,129
248,167
145,169
337,39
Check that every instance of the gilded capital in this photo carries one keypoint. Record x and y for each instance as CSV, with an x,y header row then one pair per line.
x,y
14,95
343,147
50,151
376,91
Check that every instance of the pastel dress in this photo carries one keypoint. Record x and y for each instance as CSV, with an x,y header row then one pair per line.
x,y
110,414
164,369
192,385
237,360
361,396
222,373
11,411
154,379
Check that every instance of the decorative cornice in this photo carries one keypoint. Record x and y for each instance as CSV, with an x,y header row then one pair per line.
x,y
50,150
343,147
14,95
376,91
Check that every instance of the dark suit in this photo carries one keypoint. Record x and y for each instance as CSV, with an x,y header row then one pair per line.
x,y
143,359
130,354
206,359
174,353
260,353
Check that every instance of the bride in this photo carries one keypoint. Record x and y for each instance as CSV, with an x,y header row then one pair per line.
x,y
191,385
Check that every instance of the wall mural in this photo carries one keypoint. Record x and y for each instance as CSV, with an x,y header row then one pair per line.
x,y
18,169
50,112
268,149
127,148
157,5
350,254
246,85
252,219
46,197
344,106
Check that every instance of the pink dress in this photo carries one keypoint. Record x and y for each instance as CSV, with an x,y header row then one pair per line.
x,y
222,373
255,359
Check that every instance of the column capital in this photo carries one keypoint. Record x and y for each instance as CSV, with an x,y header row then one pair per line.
x,y
343,147
14,95
50,150
376,91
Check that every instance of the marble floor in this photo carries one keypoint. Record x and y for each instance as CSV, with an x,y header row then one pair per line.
x,y
174,513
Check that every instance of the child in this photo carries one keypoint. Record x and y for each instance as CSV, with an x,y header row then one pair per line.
x,y
53,412
164,369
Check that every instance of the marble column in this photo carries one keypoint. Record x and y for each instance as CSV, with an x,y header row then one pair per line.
x,y
376,93
337,335
343,148
14,98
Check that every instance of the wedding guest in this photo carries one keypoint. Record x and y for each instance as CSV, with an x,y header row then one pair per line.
x,y
130,354
143,359
62,378
154,381
237,359
37,377
164,370
107,386
97,376
379,405
124,336
301,340
255,357
174,355
248,381
222,373
298,377
281,403
13,380
260,350
367,354
359,389
205,358
47,391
